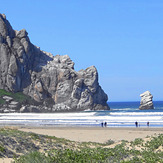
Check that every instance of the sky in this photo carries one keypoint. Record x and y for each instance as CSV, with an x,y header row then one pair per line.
x,y
123,39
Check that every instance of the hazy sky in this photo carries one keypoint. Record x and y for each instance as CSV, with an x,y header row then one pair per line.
x,y
122,38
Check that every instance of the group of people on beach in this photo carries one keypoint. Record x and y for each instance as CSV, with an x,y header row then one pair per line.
x,y
104,124
136,124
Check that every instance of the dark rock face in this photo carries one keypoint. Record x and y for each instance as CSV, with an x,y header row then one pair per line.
x,y
146,101
50,80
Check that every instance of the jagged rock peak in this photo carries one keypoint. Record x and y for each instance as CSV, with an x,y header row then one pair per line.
x,y
5,27
146,101
49,80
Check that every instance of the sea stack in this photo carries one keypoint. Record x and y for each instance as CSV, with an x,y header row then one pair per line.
x,y
49,80
146,101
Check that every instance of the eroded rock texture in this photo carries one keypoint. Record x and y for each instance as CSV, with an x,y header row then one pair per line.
x,y
50,80
146,101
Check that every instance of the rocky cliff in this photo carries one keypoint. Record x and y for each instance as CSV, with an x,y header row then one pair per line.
x,y
146,101
49,80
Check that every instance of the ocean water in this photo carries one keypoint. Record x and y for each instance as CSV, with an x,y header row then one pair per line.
x,y
127,113
121,114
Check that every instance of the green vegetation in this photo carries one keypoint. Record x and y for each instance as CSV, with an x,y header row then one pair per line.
x,y
27,147
4,93
110,142
34,157
2,149
19,96
155,143
84,155
137,141
2,101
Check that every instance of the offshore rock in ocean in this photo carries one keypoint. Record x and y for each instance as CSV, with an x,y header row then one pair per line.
x,y
49,80
146,101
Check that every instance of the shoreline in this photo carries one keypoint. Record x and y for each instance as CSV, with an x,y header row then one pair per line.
x,y
80,127
84,119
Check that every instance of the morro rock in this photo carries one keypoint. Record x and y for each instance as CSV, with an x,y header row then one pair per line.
x,y
146,101
49,80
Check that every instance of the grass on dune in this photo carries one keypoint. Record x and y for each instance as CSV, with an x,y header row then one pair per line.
x,y
35,148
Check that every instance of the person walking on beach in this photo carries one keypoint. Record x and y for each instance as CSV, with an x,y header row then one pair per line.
x,y
105,124
102,124
148,124
136,124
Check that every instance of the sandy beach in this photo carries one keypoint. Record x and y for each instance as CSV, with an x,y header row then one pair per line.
x,y
95,134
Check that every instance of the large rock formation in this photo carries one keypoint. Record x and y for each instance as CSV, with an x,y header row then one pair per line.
x,y
146,101
49,80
